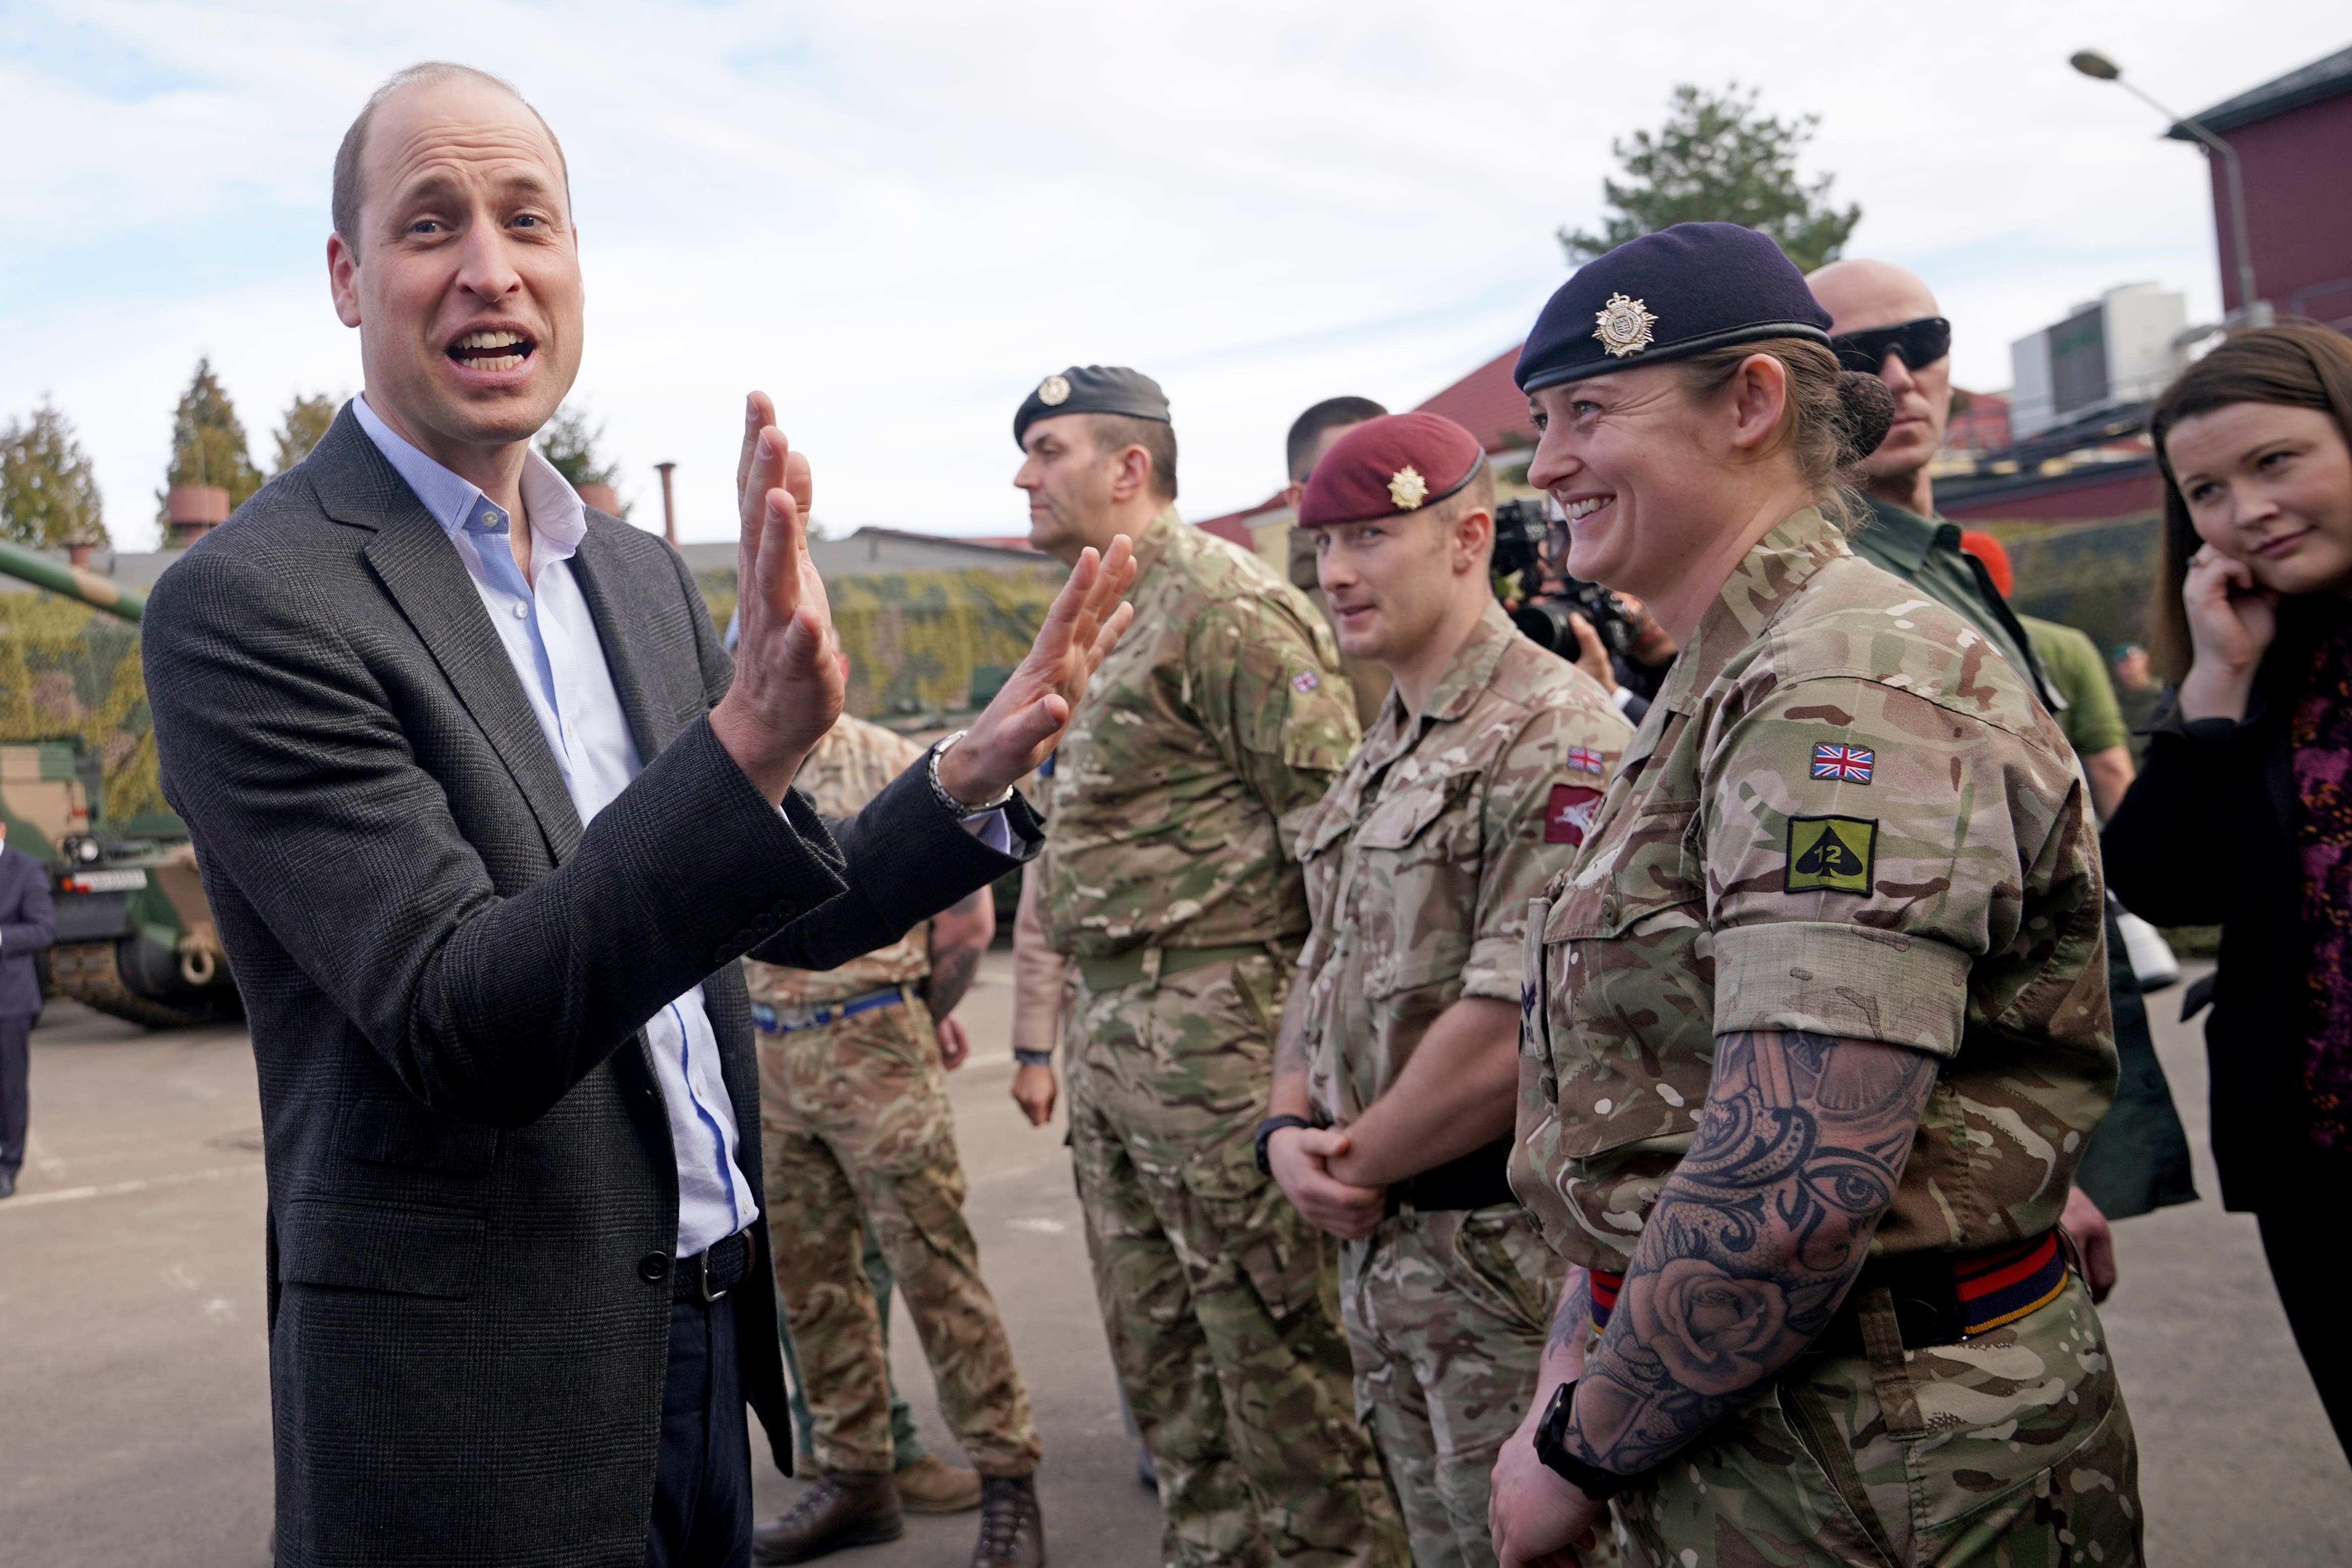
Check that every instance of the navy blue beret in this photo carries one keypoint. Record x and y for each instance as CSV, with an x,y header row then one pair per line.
x,y
1092,389
1665,296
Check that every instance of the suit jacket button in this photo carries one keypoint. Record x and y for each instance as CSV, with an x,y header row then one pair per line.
x,y
654,1267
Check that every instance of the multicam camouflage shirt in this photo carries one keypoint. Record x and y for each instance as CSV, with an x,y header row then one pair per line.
x,y
1845,813
847,769
1199,747
1422,859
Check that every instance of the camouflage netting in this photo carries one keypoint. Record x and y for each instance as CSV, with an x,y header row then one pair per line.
x,y
2094,577
916,640
66,669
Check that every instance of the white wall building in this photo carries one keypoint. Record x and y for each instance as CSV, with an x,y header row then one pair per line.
x,y
2118,351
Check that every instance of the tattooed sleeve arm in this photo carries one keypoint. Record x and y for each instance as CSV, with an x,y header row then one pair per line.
x,y
1756,1238
1292,1057
959,934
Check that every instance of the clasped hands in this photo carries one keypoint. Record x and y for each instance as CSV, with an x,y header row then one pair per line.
x,y
789,682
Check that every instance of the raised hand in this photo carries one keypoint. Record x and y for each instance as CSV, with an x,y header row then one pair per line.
x,y
1017,730
789,682
2231,620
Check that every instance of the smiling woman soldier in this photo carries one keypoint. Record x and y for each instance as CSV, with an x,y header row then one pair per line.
x,y
1817,1024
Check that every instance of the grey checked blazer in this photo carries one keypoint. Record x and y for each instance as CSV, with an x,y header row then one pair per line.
x,y
469,1164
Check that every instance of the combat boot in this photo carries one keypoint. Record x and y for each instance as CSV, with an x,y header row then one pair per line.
x,y
931,1485
1012,1530
845,1507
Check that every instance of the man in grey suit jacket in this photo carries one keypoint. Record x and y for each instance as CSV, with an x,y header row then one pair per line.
x,y
486,819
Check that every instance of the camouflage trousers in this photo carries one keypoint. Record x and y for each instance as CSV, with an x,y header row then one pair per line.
x,y
1446,1314
2010,1450
1219,1300
857,1131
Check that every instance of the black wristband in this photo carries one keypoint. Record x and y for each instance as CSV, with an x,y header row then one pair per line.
x,y
1266,1130
1551,1434
1032,1057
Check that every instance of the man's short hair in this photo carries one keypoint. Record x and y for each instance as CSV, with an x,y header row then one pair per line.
x,y
1329,415
1117,432
1478,495
348,191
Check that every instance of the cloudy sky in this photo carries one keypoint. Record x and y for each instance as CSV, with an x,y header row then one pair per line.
x,y
897,216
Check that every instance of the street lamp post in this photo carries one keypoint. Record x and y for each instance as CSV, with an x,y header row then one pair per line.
x,y
669,507
2254,310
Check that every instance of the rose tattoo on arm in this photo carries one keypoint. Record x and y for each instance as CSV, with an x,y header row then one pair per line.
x,y
1756,1238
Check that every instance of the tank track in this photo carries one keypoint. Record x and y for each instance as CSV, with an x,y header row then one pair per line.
x,y
87,972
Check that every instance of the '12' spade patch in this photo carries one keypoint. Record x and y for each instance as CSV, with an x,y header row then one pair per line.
x,y
1832,854
1568,815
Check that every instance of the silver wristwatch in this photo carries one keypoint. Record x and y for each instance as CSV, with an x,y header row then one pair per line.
x,y
953,806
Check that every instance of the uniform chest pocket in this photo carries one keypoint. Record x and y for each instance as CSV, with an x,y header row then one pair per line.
x,y
1417,863
1630,983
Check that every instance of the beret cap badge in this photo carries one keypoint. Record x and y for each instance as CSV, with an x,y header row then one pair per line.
x,y
1407,488
1624,326
1053,391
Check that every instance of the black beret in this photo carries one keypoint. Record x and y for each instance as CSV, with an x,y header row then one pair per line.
x,y
1092,389
1665,296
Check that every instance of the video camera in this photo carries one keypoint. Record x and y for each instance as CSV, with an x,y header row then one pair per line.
x,y
1526,539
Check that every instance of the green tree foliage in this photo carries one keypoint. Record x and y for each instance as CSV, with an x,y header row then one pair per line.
x,y
208,445
1718,158
306,420
49,495
570,442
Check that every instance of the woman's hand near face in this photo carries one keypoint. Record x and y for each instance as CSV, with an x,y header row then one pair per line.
x,y
2231,623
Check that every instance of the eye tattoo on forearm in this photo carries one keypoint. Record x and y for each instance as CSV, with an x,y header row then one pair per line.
x,y
1752,1244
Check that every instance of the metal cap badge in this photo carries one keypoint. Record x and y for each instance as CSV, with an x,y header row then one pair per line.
x,y
1624,326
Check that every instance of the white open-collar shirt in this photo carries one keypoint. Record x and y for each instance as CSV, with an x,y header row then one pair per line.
x,y
551,641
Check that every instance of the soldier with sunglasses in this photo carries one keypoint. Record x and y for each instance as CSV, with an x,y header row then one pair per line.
x,y
1885,322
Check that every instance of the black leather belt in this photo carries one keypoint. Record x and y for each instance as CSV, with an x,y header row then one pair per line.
x,y
712,1272
1479,1179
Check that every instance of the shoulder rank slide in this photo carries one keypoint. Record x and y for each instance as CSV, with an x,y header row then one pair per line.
x,y
1832,854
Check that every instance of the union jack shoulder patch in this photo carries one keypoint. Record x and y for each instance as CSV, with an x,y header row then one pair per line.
x,y
1305,681
1846,764
1584,760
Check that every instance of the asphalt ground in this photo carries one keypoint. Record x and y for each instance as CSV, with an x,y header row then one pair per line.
x,y
134,1401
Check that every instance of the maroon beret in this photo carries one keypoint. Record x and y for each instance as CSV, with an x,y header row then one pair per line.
x,y
1396,463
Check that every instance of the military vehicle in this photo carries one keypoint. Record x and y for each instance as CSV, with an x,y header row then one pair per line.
x,y
135,935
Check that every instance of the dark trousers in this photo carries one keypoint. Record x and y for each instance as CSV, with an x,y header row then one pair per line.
x,y
702,1480
2308,1266
15,1063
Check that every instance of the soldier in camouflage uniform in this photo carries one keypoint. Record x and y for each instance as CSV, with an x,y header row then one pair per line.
x,y
1817,1024
1397,1080
856,1133
1212,727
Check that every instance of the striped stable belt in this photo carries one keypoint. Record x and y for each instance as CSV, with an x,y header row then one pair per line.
x,y
1940,1298
771,1019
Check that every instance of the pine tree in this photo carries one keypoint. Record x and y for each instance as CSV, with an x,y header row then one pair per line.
x,y
569,443
48,493
208,445
305,422
1718,158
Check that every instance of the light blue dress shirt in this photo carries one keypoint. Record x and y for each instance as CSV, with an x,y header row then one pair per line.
x,y
551,640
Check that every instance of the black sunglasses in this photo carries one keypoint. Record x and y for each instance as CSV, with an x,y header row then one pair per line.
x,y
1920,342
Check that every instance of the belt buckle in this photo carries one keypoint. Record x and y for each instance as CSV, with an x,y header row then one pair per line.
x,y
703,1293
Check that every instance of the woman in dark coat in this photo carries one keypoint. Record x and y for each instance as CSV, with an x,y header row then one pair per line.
x,y
2242,815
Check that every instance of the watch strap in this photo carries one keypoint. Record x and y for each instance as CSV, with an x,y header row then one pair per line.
x,y
954,806
1551,1438
1266,1132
